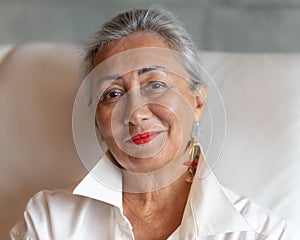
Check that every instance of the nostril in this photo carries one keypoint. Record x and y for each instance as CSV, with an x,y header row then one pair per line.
x,y
141,114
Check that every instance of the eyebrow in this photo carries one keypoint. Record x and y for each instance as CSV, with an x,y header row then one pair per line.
x,y
148,69
110,77
140,72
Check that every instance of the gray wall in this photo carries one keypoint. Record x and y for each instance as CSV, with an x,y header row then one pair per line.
x,y
228,25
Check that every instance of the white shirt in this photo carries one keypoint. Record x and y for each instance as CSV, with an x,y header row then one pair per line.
x,y
94,211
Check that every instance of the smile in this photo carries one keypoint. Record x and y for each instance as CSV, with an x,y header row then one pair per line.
x,y
144,137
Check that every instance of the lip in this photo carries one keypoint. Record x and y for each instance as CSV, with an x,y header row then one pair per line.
x,y
144,137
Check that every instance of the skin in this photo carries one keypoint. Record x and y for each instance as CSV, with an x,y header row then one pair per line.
x,y
156,214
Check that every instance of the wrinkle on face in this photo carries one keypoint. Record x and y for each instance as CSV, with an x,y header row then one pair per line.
x,y
172,111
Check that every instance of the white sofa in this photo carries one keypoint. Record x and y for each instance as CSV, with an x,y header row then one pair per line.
x,y
261,153
38,83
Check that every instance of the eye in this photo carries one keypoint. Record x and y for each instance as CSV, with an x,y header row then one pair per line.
x,y
156,85
112,94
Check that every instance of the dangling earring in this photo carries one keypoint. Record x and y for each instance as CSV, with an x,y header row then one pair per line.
x,y
196,130
194,153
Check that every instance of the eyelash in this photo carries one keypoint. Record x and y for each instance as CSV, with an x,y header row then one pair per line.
x,y
106,95
161,84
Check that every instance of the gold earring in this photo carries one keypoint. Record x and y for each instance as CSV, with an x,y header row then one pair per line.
x,y
194,153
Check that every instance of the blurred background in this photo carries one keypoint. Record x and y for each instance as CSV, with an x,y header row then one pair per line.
x,y
219,25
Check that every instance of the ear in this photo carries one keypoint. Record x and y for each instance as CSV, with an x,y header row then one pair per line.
x,y
200,95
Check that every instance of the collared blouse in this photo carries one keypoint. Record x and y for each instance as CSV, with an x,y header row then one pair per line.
x,y
94,211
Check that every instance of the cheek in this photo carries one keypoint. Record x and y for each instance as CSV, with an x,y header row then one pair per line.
x,y
103,121
180,111
181,119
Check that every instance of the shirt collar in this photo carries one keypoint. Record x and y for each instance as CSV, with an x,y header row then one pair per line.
x,y
211,210
208,209
103,183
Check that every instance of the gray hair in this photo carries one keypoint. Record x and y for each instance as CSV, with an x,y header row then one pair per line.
x,y
156,20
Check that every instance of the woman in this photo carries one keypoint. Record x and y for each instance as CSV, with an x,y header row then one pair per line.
x,y
146,94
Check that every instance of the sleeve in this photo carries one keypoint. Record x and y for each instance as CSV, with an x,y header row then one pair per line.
x,y
24,229
36,224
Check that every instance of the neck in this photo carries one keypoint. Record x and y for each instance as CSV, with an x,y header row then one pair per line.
x,y
147,205
164,189
157,214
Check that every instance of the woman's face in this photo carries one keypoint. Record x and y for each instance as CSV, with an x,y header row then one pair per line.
x,y
145,115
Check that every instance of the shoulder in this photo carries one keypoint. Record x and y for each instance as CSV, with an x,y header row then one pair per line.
x,y
59,213
55,199
63,204
260,219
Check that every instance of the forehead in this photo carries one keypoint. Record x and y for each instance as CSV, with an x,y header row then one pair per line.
x,y
136,40
137,59
137,51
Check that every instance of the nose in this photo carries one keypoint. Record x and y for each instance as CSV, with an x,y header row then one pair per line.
x,y
137,110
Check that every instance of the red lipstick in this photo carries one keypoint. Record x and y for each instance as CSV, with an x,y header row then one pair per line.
x,y
144,137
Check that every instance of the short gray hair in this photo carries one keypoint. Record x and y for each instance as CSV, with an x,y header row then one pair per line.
x,y
156,20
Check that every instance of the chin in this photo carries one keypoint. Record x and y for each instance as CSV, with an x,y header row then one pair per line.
x,y
143,165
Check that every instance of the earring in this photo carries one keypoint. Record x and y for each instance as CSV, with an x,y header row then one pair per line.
x,y
194,153
196,130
